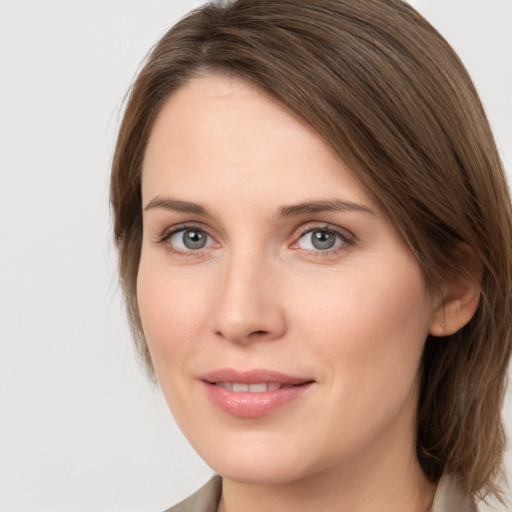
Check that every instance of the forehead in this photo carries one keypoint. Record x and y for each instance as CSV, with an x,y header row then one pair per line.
x,y
215,112
224,134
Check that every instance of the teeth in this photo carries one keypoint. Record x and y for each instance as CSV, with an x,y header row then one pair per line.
x,y
251,388
258,388
226,385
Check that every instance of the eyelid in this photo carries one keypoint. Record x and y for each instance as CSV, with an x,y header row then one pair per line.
x,y
324,226
182,226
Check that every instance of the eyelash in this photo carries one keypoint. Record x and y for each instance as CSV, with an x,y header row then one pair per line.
x,y
347,239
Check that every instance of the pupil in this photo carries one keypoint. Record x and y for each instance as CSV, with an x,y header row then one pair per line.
x,y
194,239
323,240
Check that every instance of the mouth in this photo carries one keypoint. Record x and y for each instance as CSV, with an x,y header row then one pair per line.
x,y
260,387
254,393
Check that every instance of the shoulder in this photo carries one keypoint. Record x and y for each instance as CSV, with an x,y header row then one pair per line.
x,y
206,499
450,497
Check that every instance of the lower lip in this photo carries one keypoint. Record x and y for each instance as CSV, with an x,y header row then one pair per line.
x,y
253,405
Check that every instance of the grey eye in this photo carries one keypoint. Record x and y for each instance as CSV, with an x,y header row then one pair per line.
x,y
319,240
190,239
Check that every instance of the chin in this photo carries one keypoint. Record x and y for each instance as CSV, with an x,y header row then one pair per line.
x,y
255,462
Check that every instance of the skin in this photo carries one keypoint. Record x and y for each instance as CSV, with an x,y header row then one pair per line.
x,y
260,295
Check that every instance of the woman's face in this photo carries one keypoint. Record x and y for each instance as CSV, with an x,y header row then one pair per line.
x,y
284,314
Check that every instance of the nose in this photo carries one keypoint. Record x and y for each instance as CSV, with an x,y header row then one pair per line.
x,y
248,307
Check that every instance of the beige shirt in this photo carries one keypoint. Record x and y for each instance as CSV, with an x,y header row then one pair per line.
x,y
448,498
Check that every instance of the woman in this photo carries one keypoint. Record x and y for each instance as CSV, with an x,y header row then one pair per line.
x,y
314,234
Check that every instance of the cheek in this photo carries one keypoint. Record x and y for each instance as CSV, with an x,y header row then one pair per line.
x,y
366,332
170,305
370,326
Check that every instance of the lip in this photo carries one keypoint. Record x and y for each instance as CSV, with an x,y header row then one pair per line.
x,y
246,404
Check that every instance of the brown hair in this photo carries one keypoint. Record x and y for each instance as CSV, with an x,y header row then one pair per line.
x,y
390,95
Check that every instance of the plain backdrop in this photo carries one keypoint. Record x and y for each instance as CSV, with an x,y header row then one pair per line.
x,y
80,428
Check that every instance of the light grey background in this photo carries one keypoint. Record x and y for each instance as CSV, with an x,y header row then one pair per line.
x,y
80,428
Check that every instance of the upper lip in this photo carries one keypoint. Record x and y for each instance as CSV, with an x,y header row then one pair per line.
x,y
253,376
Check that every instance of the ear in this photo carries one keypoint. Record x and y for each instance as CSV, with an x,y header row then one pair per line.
x,y
460,299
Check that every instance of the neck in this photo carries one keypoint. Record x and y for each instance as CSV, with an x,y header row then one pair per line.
x,y
334,491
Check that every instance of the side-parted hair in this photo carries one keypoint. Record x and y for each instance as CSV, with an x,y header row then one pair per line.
x,y
392,98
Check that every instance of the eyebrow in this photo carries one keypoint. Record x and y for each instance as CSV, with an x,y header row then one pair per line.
x,y
304,208
176,205
333,205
